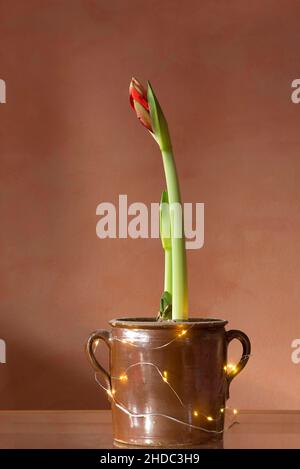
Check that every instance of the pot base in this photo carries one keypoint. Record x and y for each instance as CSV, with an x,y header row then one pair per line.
x,y
215,443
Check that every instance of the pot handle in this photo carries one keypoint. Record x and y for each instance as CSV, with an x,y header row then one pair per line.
x,y
100,334
245,341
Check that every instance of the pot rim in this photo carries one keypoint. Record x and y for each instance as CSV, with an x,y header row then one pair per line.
x,y
152,323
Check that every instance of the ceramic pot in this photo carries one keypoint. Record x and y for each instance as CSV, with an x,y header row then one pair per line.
x,y
168,381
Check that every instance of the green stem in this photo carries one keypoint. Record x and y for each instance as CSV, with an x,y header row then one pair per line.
x,y
179,270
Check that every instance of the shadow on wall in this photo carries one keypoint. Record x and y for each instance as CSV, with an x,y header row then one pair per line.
x,y
44,369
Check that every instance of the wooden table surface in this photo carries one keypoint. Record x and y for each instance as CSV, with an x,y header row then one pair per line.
x,y
93,430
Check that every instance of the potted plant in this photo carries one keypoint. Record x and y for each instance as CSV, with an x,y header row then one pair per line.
x,y
168,379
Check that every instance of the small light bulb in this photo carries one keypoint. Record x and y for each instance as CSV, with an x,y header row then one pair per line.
x,y
222,410
165,373
235,411
183,332
209,418
230,368
123,377
195,413
113,391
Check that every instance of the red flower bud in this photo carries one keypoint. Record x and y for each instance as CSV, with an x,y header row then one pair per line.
x,y
139,103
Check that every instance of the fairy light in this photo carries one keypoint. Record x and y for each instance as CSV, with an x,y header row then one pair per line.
x,y
229,368
168,417
137,337
163,376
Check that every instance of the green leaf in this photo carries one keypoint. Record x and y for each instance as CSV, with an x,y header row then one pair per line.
x,y
158,120
165,311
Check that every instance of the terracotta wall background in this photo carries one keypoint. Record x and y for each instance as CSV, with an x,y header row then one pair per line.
x,y
68,141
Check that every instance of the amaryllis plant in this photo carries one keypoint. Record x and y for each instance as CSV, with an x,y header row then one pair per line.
x,y
174,301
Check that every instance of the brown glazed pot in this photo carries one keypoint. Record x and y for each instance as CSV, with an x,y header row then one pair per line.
x,y
167,383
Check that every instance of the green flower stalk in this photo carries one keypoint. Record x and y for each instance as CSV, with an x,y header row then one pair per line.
x,y
150,114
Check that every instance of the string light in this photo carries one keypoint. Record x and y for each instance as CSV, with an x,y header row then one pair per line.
x,y
164,376
131,340
169,417
157,414
231,368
